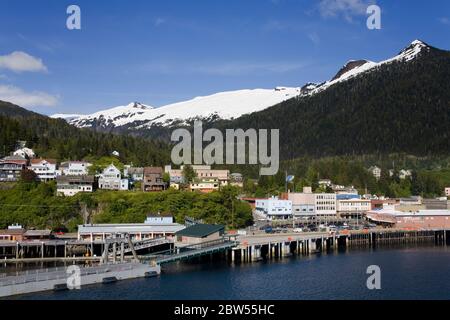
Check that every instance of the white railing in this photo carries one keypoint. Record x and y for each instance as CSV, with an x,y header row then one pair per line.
x,y
58,274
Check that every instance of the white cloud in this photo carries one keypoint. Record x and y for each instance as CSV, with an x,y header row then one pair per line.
x,y
26,99
314,37
19,61
444,20
344,8
159,21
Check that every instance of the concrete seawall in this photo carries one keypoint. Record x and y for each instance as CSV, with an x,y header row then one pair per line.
x,y
59,278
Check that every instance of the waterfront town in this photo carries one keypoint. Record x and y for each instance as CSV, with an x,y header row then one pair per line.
x,y
334,205
284,224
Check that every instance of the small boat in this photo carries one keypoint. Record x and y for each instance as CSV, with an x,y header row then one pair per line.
x,y
109,280
60,287
151,274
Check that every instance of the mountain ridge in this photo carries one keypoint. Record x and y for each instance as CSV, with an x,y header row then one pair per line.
x,y
401,105
225,105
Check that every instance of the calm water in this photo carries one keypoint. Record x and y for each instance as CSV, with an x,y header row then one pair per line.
x,y
406,273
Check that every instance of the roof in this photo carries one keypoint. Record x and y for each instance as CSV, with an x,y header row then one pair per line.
x,y
150,170
37,233
12,231
153,215
200,230
135,170
37,161
66,163
129,228
14,159
67,179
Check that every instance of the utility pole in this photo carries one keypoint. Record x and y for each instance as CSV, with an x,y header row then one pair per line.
x,y
285,182
232,213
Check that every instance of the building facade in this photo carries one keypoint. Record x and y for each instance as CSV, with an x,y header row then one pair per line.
x,y
111,179
24,153
307,203
198,234
421,219
208,179
447,192
45,169
154,227
274,208
71,185
75,168
352,207
153,179
376,172
134,173
11,168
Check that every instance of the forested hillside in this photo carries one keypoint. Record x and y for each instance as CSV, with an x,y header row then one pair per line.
x,y
399,107
36,205
55,138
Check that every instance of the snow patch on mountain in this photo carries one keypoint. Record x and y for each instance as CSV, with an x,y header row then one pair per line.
x,y
355,68
67,117
231,104
117,116
224,105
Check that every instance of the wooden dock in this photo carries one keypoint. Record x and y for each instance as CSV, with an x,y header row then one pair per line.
x,y
270,246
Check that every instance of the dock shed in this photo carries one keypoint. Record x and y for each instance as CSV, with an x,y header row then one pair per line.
x,y
199,233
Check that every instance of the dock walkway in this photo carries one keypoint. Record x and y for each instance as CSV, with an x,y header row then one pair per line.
x,y
190,251
52,278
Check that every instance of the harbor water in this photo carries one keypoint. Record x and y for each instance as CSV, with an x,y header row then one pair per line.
x,y
406,273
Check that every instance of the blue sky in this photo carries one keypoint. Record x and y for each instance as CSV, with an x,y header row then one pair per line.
x,y
159,52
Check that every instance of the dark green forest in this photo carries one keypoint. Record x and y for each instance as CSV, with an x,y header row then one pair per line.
x,y
396,117
36,205
400,107
56,139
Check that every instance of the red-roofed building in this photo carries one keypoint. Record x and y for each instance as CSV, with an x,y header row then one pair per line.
x,y
11,168
45,169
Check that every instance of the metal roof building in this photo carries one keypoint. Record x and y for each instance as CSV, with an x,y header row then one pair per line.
x,y
137,231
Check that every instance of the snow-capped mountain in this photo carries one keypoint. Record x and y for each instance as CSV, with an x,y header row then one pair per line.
x,y
67,117
231,104
355,68
116,117
224,105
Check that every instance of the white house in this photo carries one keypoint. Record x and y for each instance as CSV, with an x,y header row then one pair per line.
x,y
158,219
24,153
45,169
403,174
325,183
133,173
447,191
111,179
376,172
274,208
75,168
71,185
